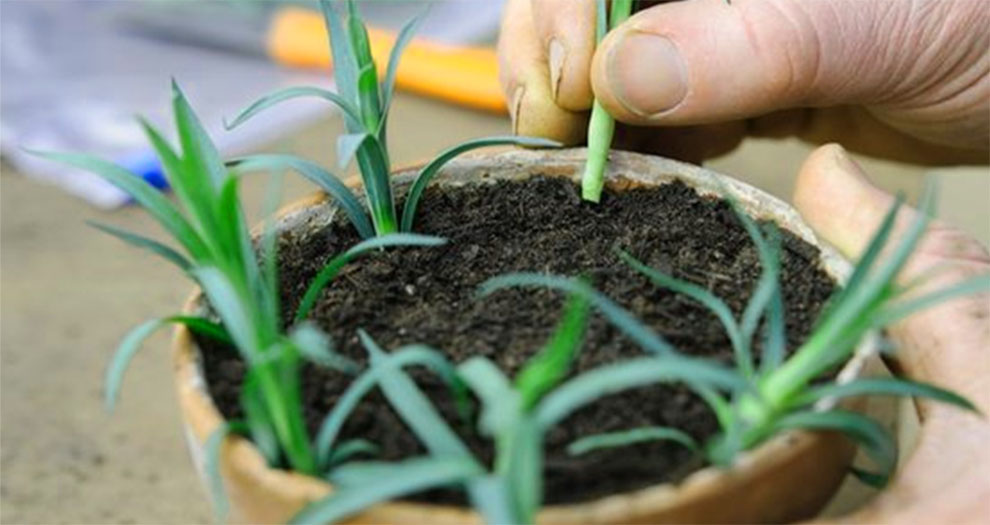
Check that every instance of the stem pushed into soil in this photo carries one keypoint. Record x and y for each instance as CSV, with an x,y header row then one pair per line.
x,y
601,128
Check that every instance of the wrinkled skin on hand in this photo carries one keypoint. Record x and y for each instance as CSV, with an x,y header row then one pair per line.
x,y
900,79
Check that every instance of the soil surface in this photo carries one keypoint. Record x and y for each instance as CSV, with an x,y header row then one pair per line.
x,y
428,295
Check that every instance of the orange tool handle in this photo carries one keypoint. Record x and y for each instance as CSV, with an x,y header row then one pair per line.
x,y
463,75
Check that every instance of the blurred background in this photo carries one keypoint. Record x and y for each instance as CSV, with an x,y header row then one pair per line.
x,y
74,74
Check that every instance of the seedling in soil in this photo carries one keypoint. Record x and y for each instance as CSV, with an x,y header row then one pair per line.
x,y
216,251
780,394
515,413
364,100
601,127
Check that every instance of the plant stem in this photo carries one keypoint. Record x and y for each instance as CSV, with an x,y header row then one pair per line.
x,y
601,128
374,169
286,413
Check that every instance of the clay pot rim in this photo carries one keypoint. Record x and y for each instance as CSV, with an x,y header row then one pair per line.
x,y
202,416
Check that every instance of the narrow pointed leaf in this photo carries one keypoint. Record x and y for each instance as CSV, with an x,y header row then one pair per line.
x,y
351,448
633,436
430,170
611,379
490,497
230,306
406,356
131,344
902,309
701,295
884,386
415,409
258,421
191,188
395,55
145,243
198,151
344,67
877,443
329,182
276,97
333,267
317,347
212,449
620,317
407,477
347,146
145,194
547,368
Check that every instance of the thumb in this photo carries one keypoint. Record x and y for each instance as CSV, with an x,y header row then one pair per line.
x,y
945,344
701,61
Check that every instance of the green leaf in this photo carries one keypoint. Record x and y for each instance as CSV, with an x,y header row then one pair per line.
x,y
373,164
621,318
327,181
368,96
413,406
270,298
317,347
701,295
131,343
212,448
632,436
145,243
351,448
430,170
348,401
347,146
776,336
128,347
547,368
407,477
490,497
871,479
877,443
388,87
501,404
614,378
523,468
145,194
231,307
884,386
333,267
869,256
258,420
344,66
276,97
192,189
199,154
902,309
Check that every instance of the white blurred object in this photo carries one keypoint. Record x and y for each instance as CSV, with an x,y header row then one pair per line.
x,y
74,80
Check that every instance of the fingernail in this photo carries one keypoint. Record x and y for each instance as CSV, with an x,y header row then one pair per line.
x,y
646,73
555,56
515,105
840,157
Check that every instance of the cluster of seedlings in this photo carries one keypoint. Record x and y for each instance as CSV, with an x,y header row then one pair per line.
x,y
752,399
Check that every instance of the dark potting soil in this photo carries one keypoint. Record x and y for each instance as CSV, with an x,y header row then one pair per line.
x,y
429,295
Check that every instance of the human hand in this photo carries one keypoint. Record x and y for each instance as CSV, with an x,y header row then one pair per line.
x,y
890,78
945,479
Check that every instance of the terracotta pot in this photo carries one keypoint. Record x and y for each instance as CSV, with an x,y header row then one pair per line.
x,y
788,478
